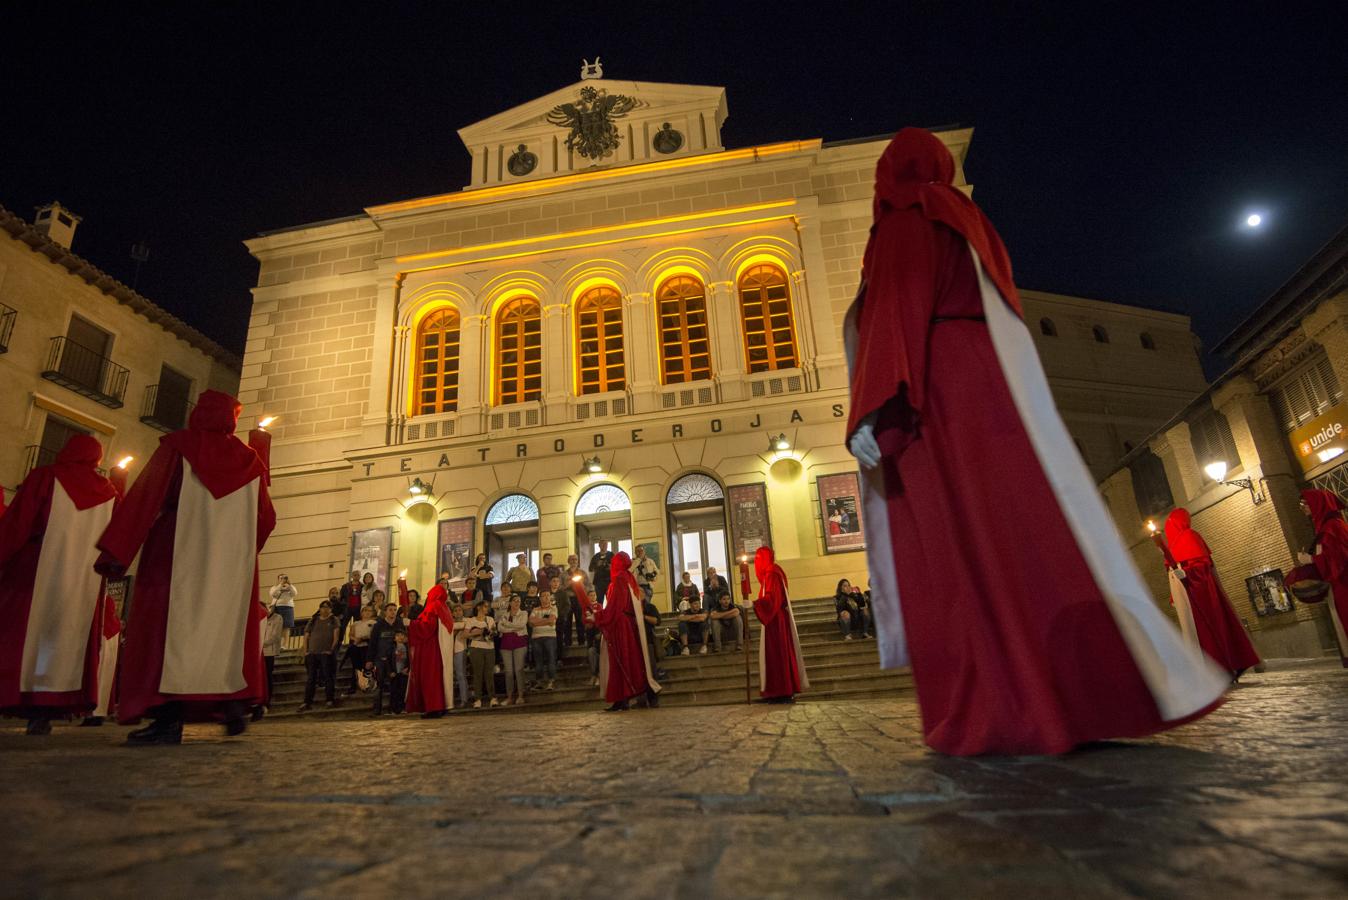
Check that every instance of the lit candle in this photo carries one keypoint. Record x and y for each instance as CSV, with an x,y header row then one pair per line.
x,y
744,575
260,440
118,475
403,600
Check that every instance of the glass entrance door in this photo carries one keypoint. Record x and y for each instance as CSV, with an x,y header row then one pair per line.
x,y
699,543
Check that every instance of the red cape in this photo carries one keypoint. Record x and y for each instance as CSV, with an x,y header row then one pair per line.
x,y
781,673
916,171
22,529
145,523
617,620
426,685
1331,548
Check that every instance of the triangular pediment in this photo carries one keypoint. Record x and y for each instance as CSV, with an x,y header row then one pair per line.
x,y
595,122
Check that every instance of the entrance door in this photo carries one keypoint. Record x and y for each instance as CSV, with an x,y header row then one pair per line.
x,y
697,528
511,528
603,513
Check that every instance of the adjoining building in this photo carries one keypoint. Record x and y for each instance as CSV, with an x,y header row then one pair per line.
x,y
1238,455
619,330
80,352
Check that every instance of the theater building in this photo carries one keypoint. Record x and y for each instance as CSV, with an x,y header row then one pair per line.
x,y
1274,423
82,353
619,330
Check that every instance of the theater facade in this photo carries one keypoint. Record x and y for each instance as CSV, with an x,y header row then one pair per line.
x,y
619,330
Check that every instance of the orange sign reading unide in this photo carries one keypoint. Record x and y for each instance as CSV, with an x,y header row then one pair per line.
x,y
1322,438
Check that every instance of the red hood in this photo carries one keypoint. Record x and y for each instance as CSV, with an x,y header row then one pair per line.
x,y
1325,506
222,462
916,169
621,582
765,565
1185,543
76,467
437,605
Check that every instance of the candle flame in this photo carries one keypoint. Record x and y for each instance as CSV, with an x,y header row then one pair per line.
x,y
575,578
124,462
402,574
265,421
1151,526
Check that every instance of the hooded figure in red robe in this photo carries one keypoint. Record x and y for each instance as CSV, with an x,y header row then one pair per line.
x,y
997,572
1220,633
50,622
430,685
1330,555
624,659
781,667
197,515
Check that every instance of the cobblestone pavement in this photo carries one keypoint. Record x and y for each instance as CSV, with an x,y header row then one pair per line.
x,y
824,799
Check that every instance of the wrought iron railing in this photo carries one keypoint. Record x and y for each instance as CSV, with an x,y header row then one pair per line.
x,y
85,372
165,410
35,455
7,316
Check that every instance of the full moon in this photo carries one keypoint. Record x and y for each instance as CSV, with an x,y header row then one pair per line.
x,y
1254,220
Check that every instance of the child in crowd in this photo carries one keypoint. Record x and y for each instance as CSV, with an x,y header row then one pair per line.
x,y
397,687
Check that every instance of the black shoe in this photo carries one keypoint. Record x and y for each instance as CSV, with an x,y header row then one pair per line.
x,y
160,731
620,706
39,726
652,701
331,704
258,713
438,714
91,722
235,726
305,707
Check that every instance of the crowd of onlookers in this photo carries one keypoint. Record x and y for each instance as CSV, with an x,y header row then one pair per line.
x,y
518,628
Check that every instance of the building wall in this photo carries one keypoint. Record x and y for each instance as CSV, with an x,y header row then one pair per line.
x,y
335,315
45,294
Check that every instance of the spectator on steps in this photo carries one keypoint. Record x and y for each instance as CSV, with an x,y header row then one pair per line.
x,y
547,572
483,575
414,605
600,564
356,649
544,622
460,613
321,637
685,591
851,620
481,628
519,576
692,625
651,618
563,598
283,600
346,604
274,631
514,628
726,618
569,576
645,571
713,587
381,652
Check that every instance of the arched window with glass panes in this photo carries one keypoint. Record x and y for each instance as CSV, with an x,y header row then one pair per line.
x,y
765,315
685,345
437,363
519,351
599,341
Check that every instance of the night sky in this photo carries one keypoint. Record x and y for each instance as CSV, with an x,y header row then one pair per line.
x,y
1118,153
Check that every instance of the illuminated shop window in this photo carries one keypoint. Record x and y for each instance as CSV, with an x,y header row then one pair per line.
x,y
437,364
519,351
599,342
685,347
765,312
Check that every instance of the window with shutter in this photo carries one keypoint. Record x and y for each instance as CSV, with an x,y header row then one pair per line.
x,y
1306,393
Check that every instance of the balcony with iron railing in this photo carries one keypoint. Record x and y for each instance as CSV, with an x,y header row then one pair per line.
x,y
35,455
7,316
86,372
165,410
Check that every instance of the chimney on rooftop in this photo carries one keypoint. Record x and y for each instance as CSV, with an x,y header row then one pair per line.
x,y
57,223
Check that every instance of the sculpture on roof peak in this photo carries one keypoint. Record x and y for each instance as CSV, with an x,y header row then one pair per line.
x,y
590,70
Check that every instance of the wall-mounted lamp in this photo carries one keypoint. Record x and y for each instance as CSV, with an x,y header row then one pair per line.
x,y
591,466
1217,472
779,443
418,488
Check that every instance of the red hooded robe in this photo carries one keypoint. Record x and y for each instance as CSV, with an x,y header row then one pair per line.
x,y
781,667
50,627
197,515
430,683
1331,556
1220,633
624,655
996,570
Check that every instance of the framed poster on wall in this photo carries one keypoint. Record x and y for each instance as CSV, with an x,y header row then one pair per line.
x,y
840,508
372,551
749,528
456,550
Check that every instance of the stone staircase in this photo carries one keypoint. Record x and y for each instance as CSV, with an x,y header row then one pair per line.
x,y
837,669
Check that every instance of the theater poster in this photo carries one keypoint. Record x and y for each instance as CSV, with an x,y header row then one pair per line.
x,y
749,526
456,550
372,551
840,506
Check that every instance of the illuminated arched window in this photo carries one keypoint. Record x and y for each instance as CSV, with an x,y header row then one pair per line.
x,y
685,348
599,342
765,312
437,364
519,351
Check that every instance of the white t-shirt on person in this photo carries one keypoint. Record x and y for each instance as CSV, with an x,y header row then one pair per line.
x,y
550,629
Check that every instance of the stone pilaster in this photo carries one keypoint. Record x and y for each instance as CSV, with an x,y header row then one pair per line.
x,y
557,351
727,354
1122,501
1176,451
379,417
642,352
474,379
